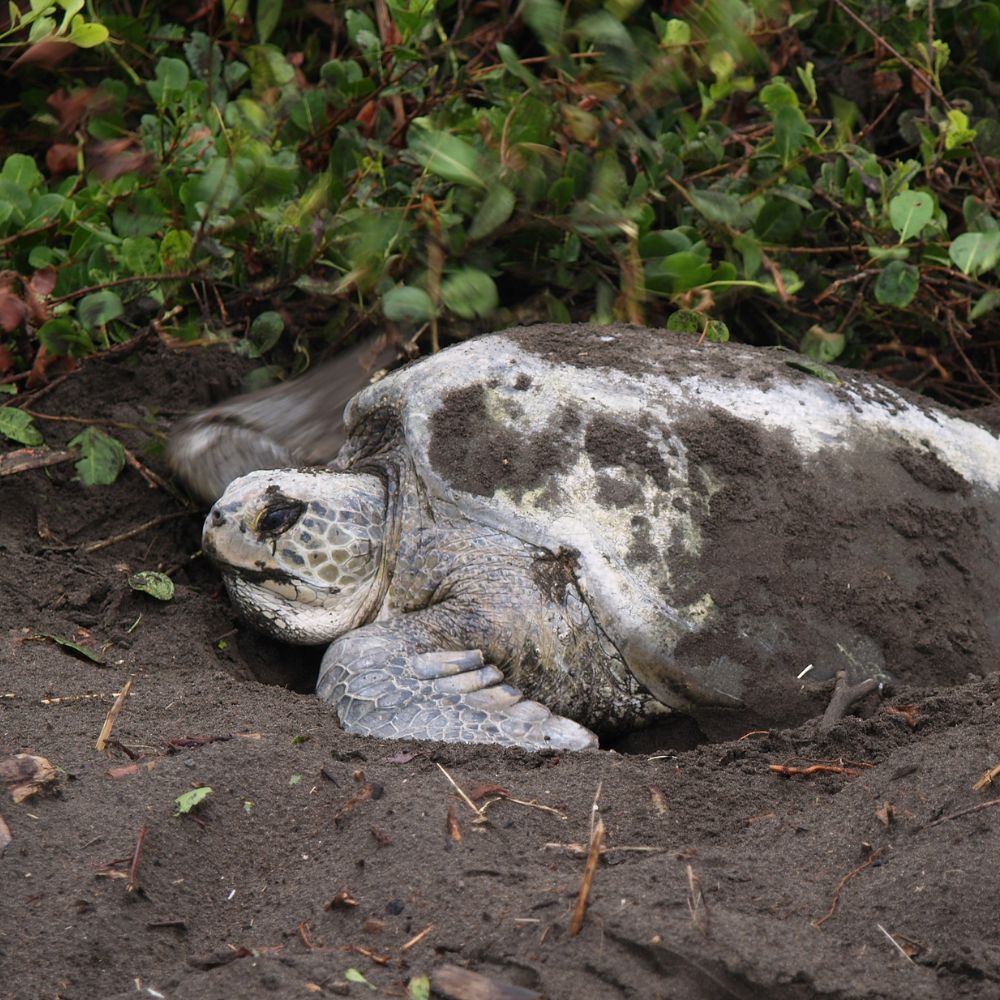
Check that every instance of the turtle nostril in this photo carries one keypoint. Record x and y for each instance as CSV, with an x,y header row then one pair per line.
x,y
218,518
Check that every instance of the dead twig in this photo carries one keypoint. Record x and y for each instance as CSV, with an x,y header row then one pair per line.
x,y
895,944
113,713
133,869
593,856
417,938
964,812
477,812
835,902
987,779
697,906
25,459
581,850
805,772
103,543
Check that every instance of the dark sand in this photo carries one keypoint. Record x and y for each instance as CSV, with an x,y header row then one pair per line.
x,y
240,899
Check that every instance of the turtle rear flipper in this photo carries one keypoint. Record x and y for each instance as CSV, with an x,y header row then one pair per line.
x,y
385,683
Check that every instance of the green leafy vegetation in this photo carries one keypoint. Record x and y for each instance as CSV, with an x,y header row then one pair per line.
x,y
287,176
157,585
188,801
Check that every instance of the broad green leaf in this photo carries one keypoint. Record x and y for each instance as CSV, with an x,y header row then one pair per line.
x,y
717,206
778,221
65,338
187,801
909,212
99,308
975,253
265,331
73,647
821,345
268,13
19,426
157,585
675,32
685,321
791,132
470,293
87,34
686,270
987,303
545,18
406,304
897,284
21,171
102,457
354,976
778,95
494,210
448,156
419,987
172,78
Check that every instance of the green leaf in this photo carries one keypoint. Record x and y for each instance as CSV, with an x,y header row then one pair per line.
x,y
987,303
717,206
909,212
778,95
19,426
674,31
778,221
419,987
821,345
65,338
157,585
698,325
974,253
172,78
73,647
447,156
268,13
685,269
265,331
513,66
354,976
87,34
897,284
187,801
819,371
470,293
494,210
406,304
102,457
21,171
99,308
791,132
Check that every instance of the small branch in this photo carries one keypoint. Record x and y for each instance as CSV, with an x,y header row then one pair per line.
x,y
25,459
103,543
113,713
875,855
593,856
964,812
805,772
133,869
480,815
131,279
987,779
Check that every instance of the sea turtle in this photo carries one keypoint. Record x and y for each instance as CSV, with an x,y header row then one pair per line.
x,y
610,521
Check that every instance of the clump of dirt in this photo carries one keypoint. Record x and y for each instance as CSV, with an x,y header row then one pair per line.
x,y
320,857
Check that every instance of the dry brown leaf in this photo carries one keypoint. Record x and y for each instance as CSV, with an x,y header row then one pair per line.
x,y
25,775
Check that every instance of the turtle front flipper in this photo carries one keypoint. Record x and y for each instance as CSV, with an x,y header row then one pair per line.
x,y
388,680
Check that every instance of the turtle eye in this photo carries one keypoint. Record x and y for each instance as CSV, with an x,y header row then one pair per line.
x,y
279,516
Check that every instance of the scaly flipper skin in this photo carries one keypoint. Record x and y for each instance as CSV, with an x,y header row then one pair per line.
x,y
388,680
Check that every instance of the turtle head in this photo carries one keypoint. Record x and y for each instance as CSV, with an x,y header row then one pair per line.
x,y
300,550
